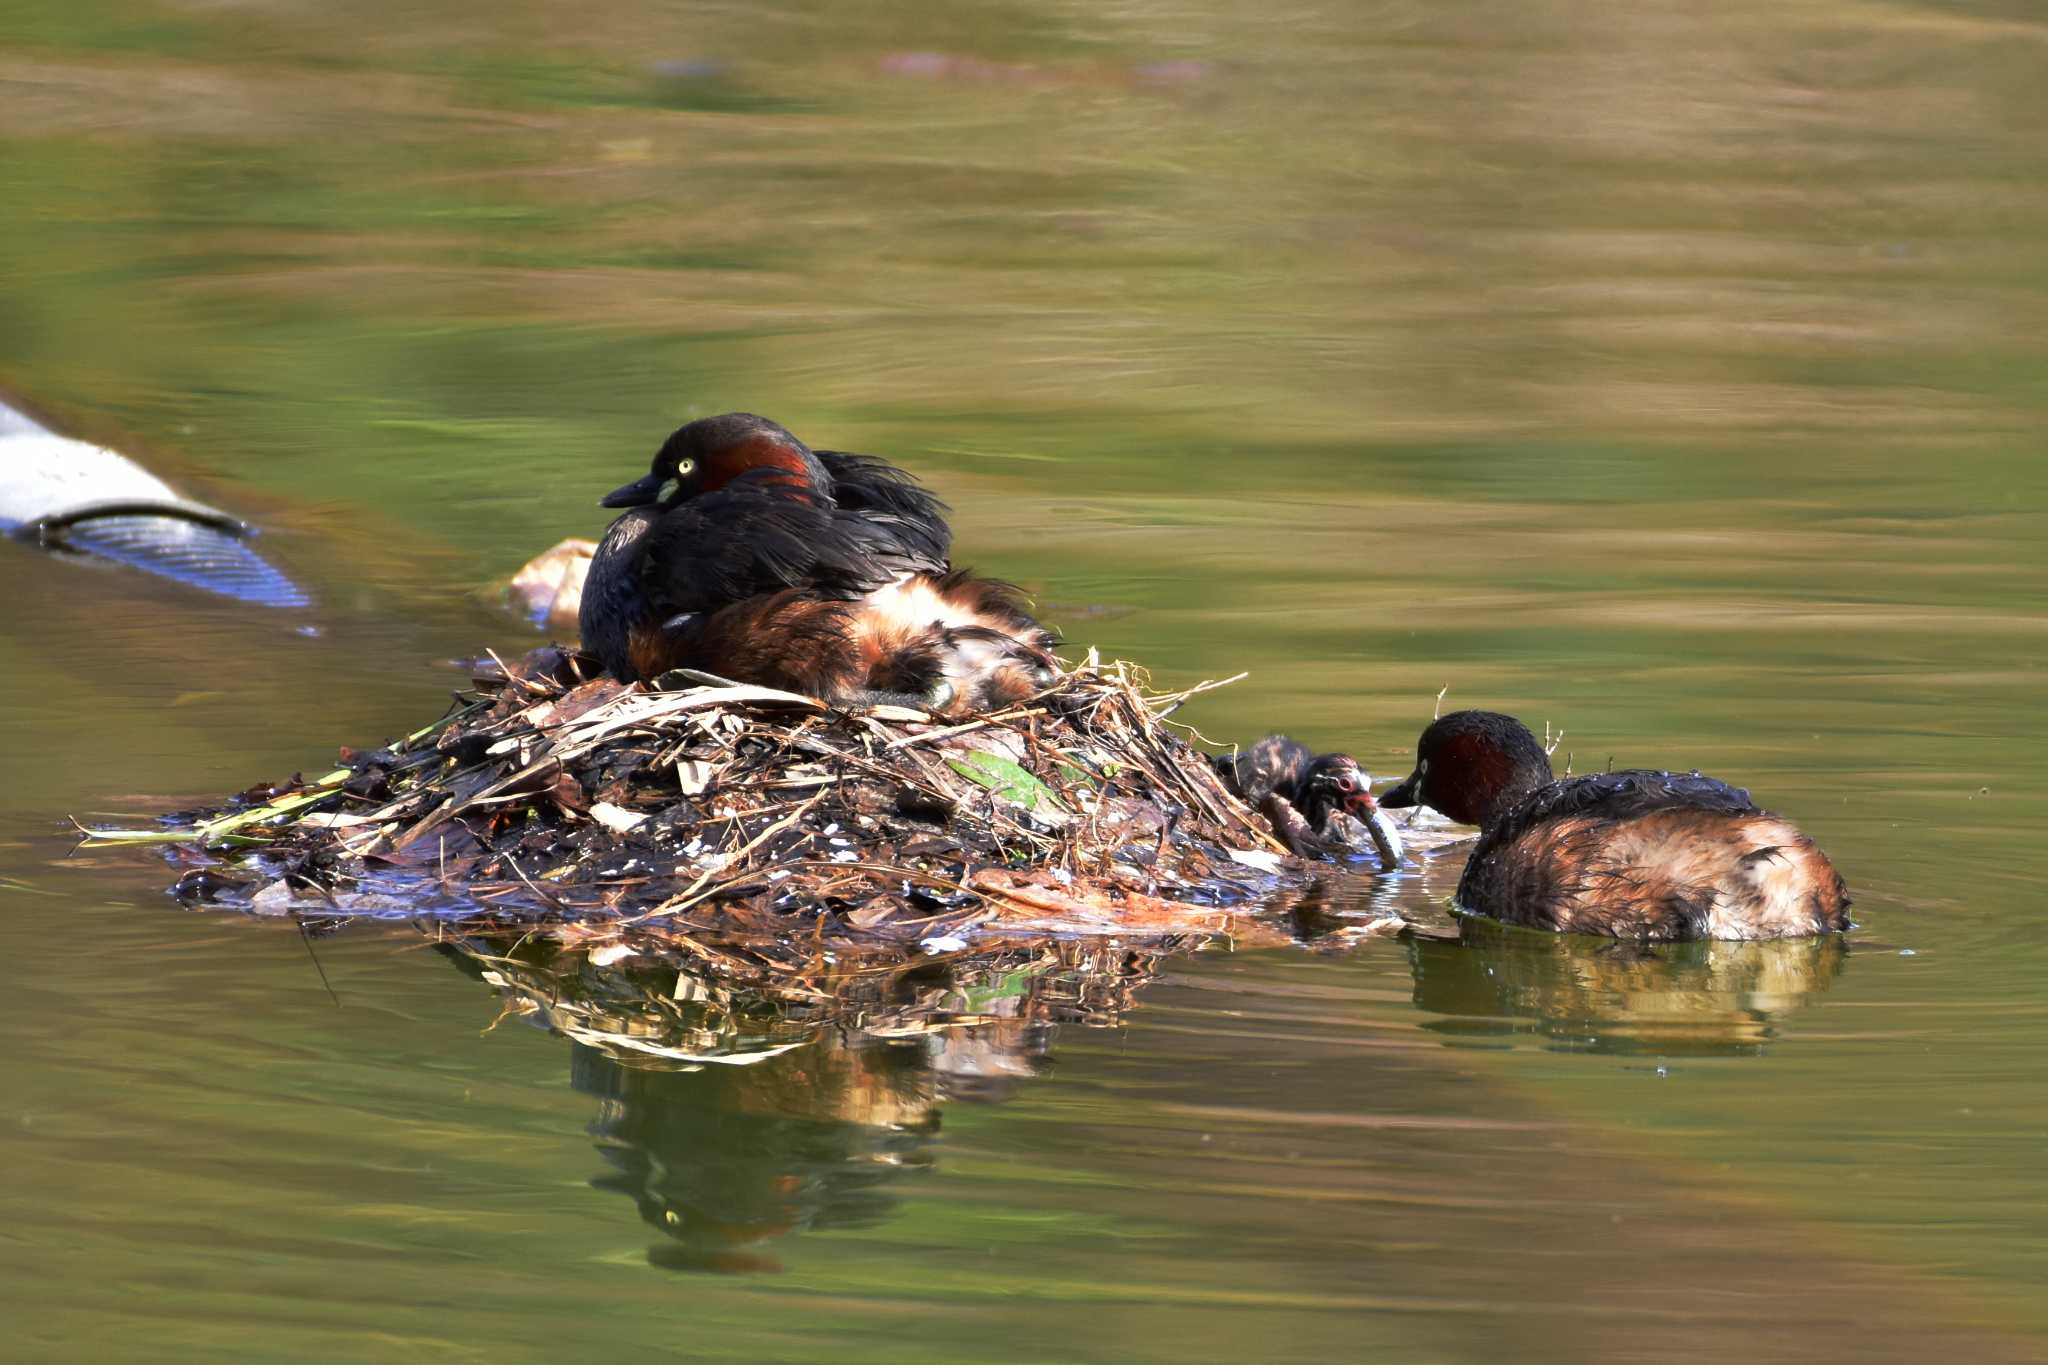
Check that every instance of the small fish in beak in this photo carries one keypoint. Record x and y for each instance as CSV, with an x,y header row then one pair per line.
x,y
1378,824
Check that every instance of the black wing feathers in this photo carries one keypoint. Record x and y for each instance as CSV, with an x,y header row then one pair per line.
x,y
887,496
753,537
1617,796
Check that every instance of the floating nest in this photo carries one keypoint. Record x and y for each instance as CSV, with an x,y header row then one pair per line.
x,y
765,833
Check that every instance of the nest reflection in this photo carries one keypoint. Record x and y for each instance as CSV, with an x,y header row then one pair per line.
x,y
735,1115
1603,995
741,1101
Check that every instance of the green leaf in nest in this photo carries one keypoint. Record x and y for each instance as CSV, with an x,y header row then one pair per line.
x,y
1006,779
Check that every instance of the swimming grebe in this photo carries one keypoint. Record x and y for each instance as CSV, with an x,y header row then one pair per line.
x,y
746,554
1637,854
1316,802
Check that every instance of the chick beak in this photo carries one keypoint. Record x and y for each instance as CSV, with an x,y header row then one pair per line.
x,y
638,493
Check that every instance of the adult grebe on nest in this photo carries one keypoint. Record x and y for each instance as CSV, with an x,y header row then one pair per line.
x,y
745,553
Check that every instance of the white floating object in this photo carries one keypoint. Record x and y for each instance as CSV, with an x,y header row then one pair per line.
x,y
617,819
70,496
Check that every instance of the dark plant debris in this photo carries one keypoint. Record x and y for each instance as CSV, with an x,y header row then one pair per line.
x,y
759,832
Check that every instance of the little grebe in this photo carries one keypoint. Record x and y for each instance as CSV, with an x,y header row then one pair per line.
x,y
1316,802
1635,854
747,554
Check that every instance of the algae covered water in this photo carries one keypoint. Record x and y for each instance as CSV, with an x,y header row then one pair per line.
x,y
1664,374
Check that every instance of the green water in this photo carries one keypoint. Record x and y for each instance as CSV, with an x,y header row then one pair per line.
x,y
1673,374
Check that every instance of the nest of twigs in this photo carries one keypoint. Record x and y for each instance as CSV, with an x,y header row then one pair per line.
x,y
706,812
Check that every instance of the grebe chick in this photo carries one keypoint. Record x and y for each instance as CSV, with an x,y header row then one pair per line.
x,y
1320,805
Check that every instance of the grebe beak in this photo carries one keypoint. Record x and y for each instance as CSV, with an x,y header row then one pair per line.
x,y
638,493
1406,792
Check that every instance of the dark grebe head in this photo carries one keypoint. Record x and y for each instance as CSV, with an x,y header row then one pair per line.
x,y
1335,781
711,452
1473,766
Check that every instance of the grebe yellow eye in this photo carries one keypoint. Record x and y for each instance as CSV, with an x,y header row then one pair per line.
x,y
683,468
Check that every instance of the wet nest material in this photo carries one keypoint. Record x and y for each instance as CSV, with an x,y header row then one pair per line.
x,y
759,829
